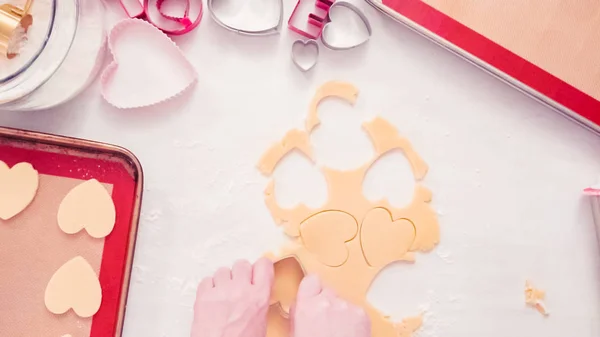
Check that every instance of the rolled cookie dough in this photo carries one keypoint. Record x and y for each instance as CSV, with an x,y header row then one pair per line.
x,y
350,239
535,298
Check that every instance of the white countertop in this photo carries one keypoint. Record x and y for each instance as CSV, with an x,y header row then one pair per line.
x,y
506,175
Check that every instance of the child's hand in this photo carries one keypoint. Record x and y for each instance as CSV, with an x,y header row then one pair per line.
x,y
234,303
318,312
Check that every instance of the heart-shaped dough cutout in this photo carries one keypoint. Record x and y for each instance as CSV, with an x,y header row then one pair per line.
x,y
242,21
18,187
288,275
87,206
148,68
74,286
325,234
349,27
383,240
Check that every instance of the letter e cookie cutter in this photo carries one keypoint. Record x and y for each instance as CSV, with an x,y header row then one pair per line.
x,y
314,20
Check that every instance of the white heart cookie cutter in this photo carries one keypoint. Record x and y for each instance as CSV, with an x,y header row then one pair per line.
x,y
305,44
261,32
159,71
328,25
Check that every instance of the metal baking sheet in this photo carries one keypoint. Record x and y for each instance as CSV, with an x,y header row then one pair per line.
x,y
33,247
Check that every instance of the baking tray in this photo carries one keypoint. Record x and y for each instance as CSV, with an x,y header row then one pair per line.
x,y
496,37
66,162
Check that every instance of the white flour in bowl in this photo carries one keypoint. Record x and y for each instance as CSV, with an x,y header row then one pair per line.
x,y
81,64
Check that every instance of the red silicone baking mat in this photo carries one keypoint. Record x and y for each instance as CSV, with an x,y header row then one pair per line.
x,y
546,48
32,246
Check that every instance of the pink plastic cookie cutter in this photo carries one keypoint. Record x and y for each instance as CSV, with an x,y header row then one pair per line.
x,y
314,19
152,11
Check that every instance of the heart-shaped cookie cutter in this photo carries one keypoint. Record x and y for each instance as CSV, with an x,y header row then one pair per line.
x,y
140,9
144,86
261,32
305,44
361,15
284,309
314,20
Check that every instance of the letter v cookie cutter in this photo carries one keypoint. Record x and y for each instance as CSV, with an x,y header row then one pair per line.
x,y
140,9
261,32
314,20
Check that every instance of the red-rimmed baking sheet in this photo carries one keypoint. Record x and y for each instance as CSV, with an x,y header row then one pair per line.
x,y
529,44
82,160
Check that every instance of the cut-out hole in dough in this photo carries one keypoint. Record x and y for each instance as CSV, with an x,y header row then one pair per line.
x,y
18,187
88,206
340,142
299,181
384,240
411,283
74,286
288,275
390,178
325,234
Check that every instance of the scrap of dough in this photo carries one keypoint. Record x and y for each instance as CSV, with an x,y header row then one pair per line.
x,y
409,326
74,286
384,240
67,335
386,138
88,206
18,187
294,139
326,234
535,297
346,91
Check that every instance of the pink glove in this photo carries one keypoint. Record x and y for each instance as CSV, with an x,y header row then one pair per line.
x,y
234,303
318,312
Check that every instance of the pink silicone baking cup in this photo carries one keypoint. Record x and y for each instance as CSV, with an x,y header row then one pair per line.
x,y
148,68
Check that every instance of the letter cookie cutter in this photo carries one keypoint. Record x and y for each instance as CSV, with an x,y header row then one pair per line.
x,y
261,32
314,20
140,9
